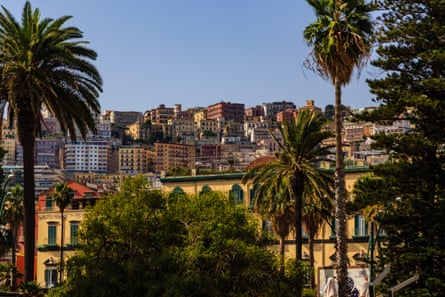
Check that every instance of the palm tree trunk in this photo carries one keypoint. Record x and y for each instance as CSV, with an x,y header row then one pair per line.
x,y
311,259
282,251
13,252
2,113
298,194
27,136
29,207
340,196
62,233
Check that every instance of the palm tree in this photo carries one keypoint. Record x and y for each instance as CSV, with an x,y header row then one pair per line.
x,y
13,215
341,38
316,211
45,63
63,195
300,148
273,201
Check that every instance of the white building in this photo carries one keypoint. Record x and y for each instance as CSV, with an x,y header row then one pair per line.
x,y
87,156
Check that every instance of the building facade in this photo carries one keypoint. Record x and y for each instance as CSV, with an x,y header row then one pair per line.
x,y
49,231
86,156
226,110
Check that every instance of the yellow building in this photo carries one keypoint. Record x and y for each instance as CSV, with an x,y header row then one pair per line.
x,y
49,231
324,244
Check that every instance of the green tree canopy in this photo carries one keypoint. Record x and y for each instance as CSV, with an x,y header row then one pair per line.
x,y
139,242
411,53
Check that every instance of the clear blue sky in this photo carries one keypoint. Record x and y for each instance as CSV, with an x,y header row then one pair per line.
x,y
199,52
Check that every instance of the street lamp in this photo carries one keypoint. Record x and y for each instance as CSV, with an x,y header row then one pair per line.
x,y
3,194
371,245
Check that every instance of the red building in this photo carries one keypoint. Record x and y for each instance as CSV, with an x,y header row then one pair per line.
x,y
228,111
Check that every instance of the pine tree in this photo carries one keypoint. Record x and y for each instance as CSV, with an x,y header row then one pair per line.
x,y
411,52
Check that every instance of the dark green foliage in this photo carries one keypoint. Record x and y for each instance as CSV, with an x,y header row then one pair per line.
x,y
139,243
411,51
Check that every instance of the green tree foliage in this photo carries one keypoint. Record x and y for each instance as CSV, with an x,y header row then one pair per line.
x,y
341,38
44,63
138,242
411,52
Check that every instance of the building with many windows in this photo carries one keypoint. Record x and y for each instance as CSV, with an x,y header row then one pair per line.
x,y
133,159
49,230
173,155
226,110
86,156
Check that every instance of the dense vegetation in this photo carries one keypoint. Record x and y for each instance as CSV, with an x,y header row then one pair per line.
x,y
411,52
140,243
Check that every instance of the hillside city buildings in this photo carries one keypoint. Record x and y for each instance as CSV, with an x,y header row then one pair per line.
x,y
193,150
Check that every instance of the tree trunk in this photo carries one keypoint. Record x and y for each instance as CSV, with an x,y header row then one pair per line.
x,y
13,252
298,194
282,251
2,113
29,207
311,259
340,197
26,129
62,242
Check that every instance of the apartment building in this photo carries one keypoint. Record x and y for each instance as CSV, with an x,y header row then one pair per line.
x,y
183,130
227,111
9,145
122,117
270,110
133,159
206,127
87,156
254,112
161,114
173,155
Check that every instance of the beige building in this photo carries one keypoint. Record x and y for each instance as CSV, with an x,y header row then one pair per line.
x,y
173,155
324,245
133,159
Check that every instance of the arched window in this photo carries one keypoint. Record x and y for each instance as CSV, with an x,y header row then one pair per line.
x,y
236,194
205,189
176,193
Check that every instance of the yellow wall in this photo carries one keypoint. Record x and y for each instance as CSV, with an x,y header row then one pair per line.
x,y
45,254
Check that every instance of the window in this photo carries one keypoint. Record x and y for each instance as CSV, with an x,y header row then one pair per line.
x,y
52,229
49,202
360,226
252,196
74,230
236,194
205,189
50,277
